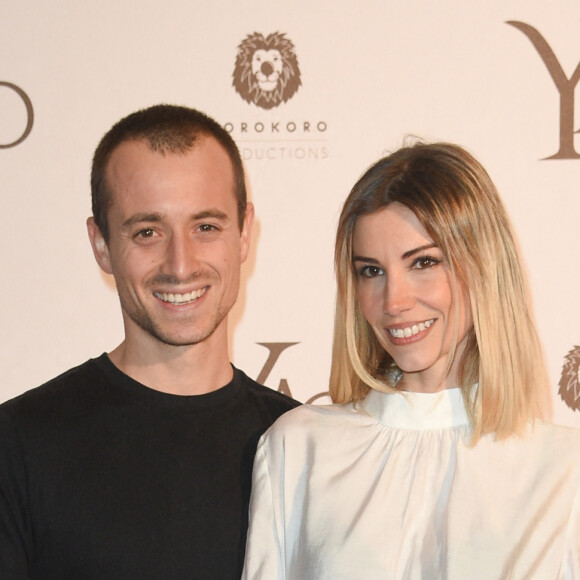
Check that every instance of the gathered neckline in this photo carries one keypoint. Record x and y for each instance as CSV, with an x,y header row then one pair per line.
x,y
417,411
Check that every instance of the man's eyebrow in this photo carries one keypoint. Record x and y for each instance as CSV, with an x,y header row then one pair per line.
x,y
211,213
417,250
139,218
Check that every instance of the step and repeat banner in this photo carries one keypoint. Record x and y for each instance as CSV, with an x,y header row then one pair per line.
x,y
353,81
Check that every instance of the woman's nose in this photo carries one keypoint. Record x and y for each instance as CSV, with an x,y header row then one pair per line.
x,y
398,296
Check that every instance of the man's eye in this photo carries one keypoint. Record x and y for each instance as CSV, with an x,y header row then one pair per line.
x,y
207,228
146,233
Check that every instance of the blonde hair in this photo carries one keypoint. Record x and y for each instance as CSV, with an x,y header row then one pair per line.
x,y
456,202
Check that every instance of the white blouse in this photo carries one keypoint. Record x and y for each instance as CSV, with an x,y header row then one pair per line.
x,y
391,489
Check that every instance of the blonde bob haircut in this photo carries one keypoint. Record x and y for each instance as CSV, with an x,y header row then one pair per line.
x,y
456,202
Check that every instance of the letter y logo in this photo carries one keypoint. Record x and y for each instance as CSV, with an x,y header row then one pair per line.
x,y
565,86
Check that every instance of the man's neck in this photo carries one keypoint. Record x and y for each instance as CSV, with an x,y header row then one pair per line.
x,y
178,370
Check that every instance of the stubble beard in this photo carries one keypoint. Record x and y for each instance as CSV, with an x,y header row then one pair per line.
x,y
191,331
187,337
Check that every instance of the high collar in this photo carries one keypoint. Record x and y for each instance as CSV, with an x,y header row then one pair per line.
x,y
417,411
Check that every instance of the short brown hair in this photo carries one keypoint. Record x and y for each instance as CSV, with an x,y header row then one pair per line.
x,y
165,128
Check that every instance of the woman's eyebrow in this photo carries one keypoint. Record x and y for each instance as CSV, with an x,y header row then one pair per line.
x,y
417,250
403,257
364,259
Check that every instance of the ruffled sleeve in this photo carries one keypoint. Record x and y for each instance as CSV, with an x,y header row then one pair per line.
x,y
264,548
571,562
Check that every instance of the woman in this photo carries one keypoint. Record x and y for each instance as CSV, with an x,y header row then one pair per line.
x,y
433,462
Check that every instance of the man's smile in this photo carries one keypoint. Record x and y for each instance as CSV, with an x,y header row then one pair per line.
x,y
176,298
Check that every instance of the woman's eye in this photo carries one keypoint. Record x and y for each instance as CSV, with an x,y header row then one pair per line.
x,y
370,271
425,262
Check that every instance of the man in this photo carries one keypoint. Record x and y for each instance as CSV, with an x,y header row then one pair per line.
x,y
137,464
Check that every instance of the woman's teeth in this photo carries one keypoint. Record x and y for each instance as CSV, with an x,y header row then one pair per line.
x,y
410,330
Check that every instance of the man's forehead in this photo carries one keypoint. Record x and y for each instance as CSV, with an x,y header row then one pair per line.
x,y
135,158
137,173
137,149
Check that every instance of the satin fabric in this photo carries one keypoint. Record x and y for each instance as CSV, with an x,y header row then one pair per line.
x,y
392,489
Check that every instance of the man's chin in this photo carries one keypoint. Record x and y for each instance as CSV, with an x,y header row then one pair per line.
x,y
178,334
179,338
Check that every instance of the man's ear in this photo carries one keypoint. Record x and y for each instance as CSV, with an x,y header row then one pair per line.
x,y
100,247
247,230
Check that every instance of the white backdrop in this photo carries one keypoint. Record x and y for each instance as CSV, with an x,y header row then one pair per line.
x,y
372,73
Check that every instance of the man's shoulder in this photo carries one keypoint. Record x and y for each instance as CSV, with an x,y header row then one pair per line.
x,y
57,389
264,396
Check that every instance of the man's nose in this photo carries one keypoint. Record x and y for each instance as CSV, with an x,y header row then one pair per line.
x,y
181,257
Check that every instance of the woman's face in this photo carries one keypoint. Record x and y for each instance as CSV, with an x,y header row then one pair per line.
x,y
405,290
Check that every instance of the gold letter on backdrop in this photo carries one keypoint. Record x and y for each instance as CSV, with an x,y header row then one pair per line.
x,y
275,349
29,114
564,85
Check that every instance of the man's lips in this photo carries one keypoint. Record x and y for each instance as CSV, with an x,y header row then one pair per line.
x,y
178,298
412,330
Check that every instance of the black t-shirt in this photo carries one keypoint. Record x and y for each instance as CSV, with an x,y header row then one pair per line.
x,y
104,478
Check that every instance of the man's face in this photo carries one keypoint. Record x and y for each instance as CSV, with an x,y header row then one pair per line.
x,y
175,247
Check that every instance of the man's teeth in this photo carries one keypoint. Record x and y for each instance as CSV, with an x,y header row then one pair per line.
x,y
411,330
175,298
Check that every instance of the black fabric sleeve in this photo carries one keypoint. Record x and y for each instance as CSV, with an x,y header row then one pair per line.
x,y
14,525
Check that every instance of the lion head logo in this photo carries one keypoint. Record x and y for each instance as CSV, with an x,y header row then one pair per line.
x,y
570,381
266,71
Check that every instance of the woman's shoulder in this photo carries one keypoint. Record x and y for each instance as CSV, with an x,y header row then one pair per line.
x,y
558,438
311,413
314,420
545,446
